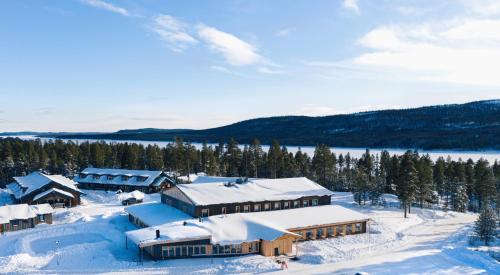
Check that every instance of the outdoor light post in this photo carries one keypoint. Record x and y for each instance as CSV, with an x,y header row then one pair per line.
x,y
57,254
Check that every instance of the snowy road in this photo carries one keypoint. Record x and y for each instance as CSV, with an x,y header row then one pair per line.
x,y
423,250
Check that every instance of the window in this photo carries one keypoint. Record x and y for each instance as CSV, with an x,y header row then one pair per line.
x,y
233,249
237,209
164,251
330,231
267,206
309,234
41,218
96,177
286,205
223,210
315,202
171,251
305,203
246,208
204,212
141,179
319,233
203,250
196,250
82,176
227,249
184,251
256,207
277,205
359,227
124,178
109,177
177,251
296,204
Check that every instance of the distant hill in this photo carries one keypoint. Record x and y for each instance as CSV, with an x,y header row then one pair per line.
x,y
469,126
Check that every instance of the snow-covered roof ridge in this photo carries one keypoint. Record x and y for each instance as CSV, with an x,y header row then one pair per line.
x,y
51,190
245,227
149,176
253,190
23,211
36,180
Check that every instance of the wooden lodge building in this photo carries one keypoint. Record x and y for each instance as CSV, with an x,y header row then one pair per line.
x,y
39,188
261,216
124,180
271,233
22,216
240,196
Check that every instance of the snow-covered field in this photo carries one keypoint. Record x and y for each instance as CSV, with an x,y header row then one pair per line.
x,y
90,239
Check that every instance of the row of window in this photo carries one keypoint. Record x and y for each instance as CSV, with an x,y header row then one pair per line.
x,y
183,251
111,177
201,250
332,231
266,207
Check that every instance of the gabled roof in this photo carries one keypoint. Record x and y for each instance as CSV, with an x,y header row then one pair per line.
x,y
151,177
254,190
22,212
230,229
36,180
53,190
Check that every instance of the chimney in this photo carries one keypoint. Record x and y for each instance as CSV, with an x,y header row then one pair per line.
x,y
157,233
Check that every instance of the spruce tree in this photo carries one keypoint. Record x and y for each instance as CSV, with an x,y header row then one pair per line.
x,y
486,225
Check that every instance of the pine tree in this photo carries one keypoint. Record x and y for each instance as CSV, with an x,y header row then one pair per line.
x,y
274,159
407,182
486,225
425,182
323,165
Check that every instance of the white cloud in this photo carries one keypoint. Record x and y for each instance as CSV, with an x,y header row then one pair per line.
x,y
174,32
483,7
284,32
485,30
234,50
106,6
434,55
268,70
351,5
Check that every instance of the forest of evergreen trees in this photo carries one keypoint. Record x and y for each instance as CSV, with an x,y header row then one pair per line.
x,y
414,178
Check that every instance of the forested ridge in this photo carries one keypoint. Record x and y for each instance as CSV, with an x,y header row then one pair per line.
x,y
469,126
414,178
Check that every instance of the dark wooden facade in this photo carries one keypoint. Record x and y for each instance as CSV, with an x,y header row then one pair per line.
x,y
148,189
54,198
20,224
174,197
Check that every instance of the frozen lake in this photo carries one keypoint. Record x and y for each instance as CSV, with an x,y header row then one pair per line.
x,y
491,156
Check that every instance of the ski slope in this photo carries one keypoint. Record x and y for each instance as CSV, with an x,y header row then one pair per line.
x,y
90,239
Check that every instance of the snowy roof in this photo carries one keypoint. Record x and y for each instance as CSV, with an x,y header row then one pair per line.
x,y
156,213
253,190
245,227
228,229
310,216
138,195
42,209
22,212
150,176
56,190
37,180
203,178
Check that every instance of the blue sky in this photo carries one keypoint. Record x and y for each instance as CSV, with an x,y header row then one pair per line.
x,y
104,65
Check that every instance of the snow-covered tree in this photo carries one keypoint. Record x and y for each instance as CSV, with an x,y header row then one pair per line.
x,y
486,225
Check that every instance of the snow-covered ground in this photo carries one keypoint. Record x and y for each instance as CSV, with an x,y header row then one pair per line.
x,y
90,239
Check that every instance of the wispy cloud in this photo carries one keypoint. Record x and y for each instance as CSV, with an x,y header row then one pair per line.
x,y
463,52
269,70
284,32
107,6
227,71
235,51
173,32
351,5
